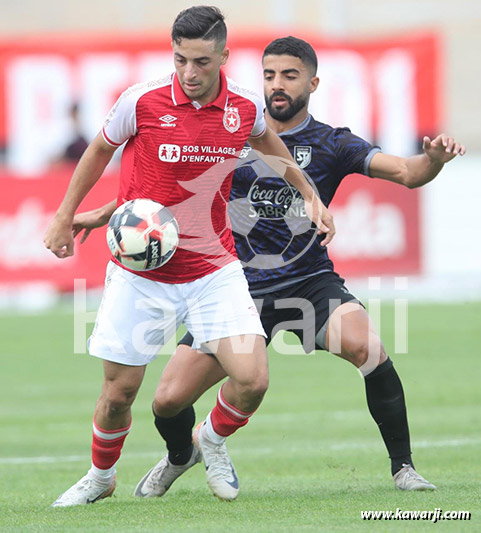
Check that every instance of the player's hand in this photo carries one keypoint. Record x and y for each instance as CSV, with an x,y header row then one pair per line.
x,y
96,218
322,218
86,222
442,148
58,238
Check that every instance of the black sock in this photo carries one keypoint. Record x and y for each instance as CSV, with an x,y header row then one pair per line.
x,y
385,399
177,433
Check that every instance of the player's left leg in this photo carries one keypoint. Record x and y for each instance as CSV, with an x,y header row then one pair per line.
x,y
237,401
351,335
224,321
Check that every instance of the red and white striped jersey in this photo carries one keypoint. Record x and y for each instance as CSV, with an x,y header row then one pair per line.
x,y
183,155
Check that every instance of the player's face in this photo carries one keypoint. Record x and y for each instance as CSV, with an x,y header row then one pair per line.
x,y
288,83
197,63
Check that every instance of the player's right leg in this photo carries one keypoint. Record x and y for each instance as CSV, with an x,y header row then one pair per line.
x,y
187,375
130,330
352,335
343,327
111,425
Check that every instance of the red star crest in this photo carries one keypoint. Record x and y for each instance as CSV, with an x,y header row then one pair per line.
x,y
232,119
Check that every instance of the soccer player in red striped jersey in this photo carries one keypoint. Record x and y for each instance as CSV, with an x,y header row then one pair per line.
x,y
182,134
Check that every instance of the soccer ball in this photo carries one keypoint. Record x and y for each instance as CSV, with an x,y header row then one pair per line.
x,y
142,234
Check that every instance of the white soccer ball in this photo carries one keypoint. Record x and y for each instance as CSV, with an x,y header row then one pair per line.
x,y
142,234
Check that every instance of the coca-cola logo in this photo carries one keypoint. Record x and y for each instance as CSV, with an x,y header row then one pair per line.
x,y
275,202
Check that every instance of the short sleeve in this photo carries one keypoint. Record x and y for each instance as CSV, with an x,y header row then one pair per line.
x,y
353,153
260,125
120,124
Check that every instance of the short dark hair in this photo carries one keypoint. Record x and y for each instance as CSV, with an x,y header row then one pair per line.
x,y
292,46
200,22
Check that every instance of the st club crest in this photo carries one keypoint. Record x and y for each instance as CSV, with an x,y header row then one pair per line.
x,y
232,119
303,155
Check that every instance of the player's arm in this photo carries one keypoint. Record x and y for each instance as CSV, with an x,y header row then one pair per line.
x,y
274,152
59,236
89,220
420,169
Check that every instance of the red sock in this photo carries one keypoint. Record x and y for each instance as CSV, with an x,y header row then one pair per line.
x,y
107,445
225,418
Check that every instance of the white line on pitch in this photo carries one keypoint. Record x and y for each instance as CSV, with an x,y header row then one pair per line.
x,y
252,451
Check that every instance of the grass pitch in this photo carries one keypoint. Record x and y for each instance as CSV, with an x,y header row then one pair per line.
x,y
311,459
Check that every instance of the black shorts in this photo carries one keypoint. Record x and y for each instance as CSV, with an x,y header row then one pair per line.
x,y
303,308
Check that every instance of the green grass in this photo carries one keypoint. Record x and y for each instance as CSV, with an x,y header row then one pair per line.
x,y
310,460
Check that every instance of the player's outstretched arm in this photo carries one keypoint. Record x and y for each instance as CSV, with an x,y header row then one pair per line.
x,y
89,220
417,170
59,236
275,153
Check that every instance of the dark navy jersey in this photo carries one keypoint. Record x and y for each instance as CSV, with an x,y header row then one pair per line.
x,y
275,240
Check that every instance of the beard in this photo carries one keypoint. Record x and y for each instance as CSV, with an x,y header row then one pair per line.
x,y
294,106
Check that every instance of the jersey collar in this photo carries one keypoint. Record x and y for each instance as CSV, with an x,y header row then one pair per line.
x,y
298,128
180,98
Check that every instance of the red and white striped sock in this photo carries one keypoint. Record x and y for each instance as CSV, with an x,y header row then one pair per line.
x,y
225,419
106,448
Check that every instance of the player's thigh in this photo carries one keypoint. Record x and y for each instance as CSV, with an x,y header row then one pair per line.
x,y
305,307
187,375
351,334
243,358
220,306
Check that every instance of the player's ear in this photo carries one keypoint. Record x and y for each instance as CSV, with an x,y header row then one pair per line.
x,y
224,56
313,84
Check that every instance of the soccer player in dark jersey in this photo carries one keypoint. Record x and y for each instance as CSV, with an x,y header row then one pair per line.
x,y
305,275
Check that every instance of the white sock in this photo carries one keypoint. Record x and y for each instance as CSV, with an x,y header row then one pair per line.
x,y
103,476
211,434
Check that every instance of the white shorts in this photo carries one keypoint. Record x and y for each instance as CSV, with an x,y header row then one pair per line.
x,y
138,317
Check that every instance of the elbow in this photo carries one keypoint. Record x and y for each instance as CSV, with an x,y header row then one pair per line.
x,y
411,184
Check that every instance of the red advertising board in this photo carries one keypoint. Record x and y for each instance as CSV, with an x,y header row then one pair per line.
x,y
27,206
378,228
386,91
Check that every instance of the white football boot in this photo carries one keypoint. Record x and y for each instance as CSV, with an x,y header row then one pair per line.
x,y
158,480
408,479
87,490
221,475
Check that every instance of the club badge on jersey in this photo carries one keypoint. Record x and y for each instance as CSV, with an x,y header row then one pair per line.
x,y
303,155
232,119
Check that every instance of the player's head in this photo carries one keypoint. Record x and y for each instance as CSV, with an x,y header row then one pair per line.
x,y
198,38
290,67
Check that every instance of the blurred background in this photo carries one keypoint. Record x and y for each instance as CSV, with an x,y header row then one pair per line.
x,y
391,70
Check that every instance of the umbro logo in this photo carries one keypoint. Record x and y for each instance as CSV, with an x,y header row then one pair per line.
x,y
168,121
167,118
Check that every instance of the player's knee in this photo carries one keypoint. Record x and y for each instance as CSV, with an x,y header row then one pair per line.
x,y
370,351
118,401
255,387
168,401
